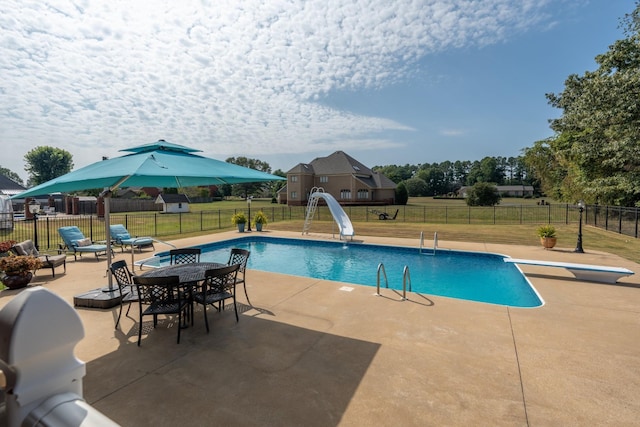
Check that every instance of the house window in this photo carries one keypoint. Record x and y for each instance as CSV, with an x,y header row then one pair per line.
x,y
179,205
294,178
324,179
363,194
294,194
345,194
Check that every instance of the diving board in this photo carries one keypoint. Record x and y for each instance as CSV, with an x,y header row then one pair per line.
x,y
339,215
591,273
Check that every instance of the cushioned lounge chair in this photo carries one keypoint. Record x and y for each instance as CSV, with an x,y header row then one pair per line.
x,y
75,241
48,261
122,238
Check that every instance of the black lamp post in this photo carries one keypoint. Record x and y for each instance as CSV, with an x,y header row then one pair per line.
x,y
34,208
249,219
579,244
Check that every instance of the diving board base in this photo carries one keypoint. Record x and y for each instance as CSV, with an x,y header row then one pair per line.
x,y
587,272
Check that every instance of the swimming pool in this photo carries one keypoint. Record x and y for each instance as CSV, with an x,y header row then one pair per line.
x,y
475,276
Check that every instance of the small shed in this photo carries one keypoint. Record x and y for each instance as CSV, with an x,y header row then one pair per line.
x,y
173,203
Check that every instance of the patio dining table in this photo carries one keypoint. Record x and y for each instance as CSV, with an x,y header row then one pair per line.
x,y
189,273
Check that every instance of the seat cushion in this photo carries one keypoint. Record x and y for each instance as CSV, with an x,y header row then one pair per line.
x,y
52,260
26,248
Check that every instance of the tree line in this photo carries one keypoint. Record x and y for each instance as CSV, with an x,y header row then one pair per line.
x,y
446,178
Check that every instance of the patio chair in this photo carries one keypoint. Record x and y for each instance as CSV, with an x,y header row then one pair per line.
x,y
219,285
184,255
74,240
122,238
160,295
128,291
48,261
240,256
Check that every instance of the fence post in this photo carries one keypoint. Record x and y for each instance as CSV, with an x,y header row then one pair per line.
x,y
606,219
620,220
636,232
521,207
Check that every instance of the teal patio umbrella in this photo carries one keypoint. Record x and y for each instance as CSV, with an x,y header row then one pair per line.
x,y
159,164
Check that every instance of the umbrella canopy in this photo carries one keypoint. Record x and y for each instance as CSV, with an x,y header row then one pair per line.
x,y
160,164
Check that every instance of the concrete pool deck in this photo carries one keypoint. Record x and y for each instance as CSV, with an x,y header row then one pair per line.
x,y
317,353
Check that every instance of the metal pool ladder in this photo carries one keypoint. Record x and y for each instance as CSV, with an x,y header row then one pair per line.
x,y
406,276
435,242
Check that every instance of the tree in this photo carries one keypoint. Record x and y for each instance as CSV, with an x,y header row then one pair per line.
x,y
45,163
488,169
416,187
483,194
11,175
402,196
251,188
396,173
597,137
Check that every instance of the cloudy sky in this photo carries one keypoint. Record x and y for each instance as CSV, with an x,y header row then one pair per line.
x,y
285,81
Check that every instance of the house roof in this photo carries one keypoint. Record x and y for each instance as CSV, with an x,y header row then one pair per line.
x,y
172,198
340,163
9,186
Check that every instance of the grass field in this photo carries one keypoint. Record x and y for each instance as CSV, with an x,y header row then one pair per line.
x,y
514,222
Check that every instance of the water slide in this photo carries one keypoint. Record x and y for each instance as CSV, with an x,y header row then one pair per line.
x,y
339,215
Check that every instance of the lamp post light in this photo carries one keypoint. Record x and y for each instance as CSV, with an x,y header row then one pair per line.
x,y
249,219
34,208
579,244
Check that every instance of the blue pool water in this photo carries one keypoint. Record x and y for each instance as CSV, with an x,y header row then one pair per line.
x,y
472,276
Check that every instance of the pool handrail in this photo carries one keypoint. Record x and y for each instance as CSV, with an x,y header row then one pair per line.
x,y
405,275
381,267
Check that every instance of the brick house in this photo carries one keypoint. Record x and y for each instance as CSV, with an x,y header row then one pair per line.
x,y
346,179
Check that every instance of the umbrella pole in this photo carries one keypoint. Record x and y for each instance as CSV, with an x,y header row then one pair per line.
x,y
107,233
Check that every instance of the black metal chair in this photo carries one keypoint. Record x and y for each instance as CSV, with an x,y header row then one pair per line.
x,y
240,256
184,255
160,295
219,285
124,278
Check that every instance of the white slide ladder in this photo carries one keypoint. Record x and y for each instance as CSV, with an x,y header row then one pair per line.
x,y
339,215
312,204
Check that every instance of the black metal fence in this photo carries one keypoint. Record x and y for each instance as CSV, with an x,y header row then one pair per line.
x,y
615,219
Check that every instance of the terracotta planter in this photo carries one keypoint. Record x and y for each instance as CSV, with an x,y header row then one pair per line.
x,y
548,242
17,282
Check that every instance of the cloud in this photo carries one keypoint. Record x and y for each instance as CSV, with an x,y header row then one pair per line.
x,y
223,76
452,132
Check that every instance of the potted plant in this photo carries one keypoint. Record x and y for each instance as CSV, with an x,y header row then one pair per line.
x,y
240,220
260,219
5,247
547,234
17,270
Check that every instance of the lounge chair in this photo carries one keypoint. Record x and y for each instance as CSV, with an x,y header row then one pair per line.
x,y
122,238
75,241
48,261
